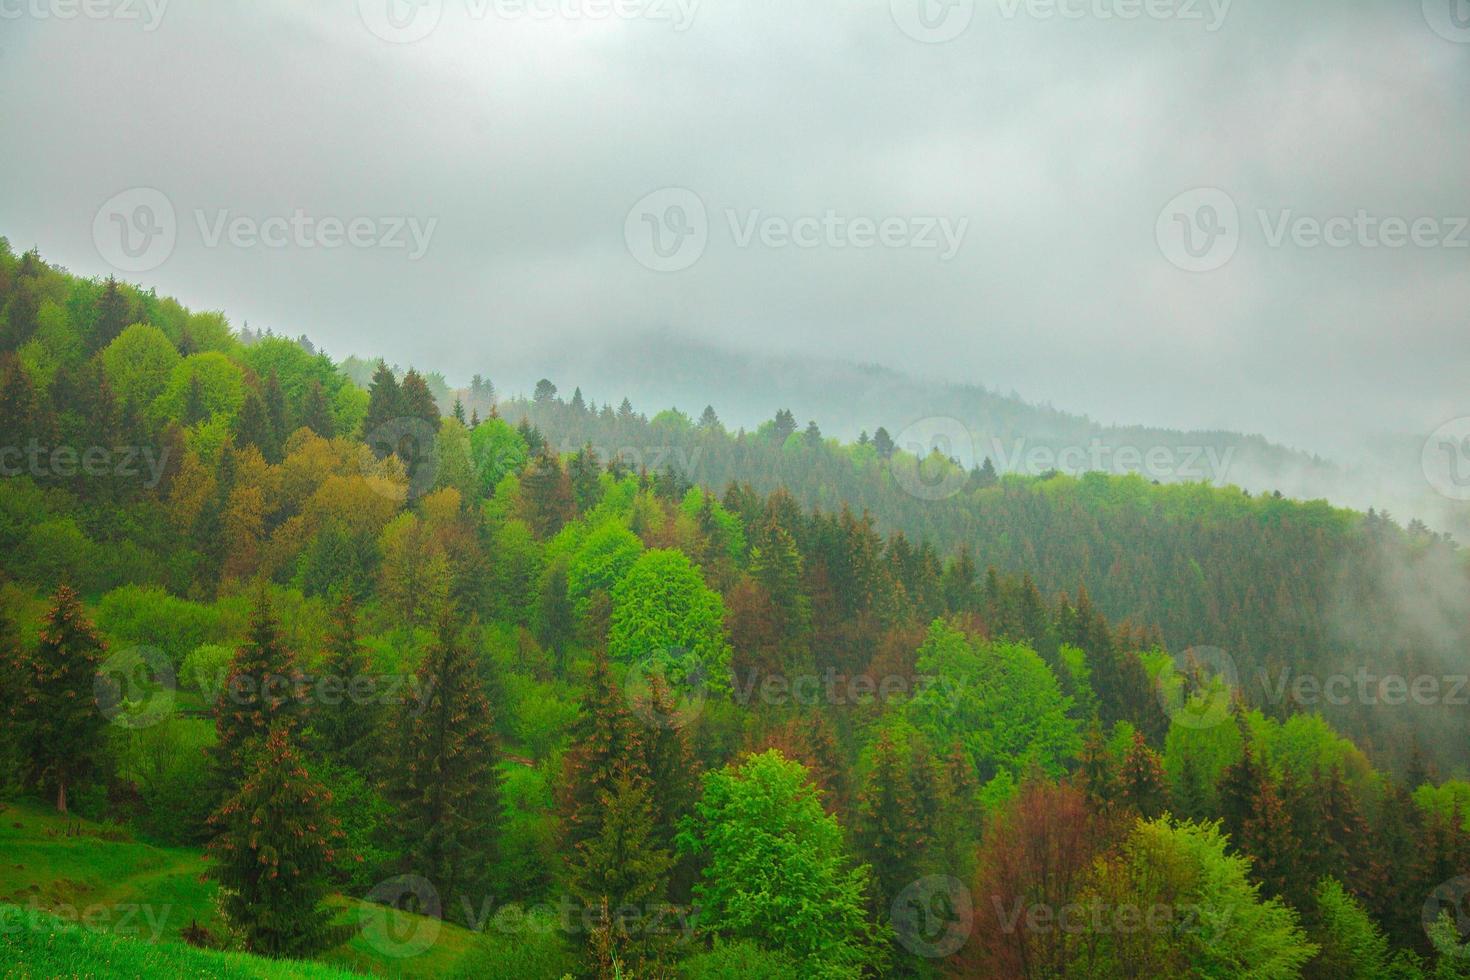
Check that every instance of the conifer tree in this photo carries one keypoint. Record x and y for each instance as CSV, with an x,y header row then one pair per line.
x,y
1098,773
347,728
1142,779
605,740
890,838
415,399
673,774
253,427
316,415
458,412
262,692
385,404
444,782
883,443
273,851
62,725
624,862
275,412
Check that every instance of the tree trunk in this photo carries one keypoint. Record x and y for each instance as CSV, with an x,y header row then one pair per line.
x,y
61,797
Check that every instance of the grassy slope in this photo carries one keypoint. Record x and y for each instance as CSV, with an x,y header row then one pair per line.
x,y
71,867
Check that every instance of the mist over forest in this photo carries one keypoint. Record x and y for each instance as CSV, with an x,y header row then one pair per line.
x,y
667,490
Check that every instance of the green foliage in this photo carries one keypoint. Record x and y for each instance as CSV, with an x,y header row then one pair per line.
x,y
149,616
217,382
607,554
61,725
442,776
777,871
273,853
497,450
519,942
1352,946
1218,926
999,700
167,763
139,364
739,960
662,607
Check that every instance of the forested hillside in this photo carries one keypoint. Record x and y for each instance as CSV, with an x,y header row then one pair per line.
x,y
724,704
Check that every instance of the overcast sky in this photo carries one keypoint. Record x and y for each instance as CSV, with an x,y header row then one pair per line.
x,y
998,185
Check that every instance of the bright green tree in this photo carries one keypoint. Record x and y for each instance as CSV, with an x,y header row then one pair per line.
x,y
777,870
663,610
999,700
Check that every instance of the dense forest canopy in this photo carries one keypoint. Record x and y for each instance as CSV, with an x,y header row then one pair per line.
x,y
357,663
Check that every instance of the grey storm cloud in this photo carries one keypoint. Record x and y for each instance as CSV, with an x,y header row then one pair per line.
x,y
973,191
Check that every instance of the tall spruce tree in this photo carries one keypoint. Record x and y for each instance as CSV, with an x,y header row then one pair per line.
x,y
62,726
262,692
273,850
444,782
346,726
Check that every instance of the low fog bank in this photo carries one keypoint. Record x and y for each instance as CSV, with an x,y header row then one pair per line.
x,y
657,371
